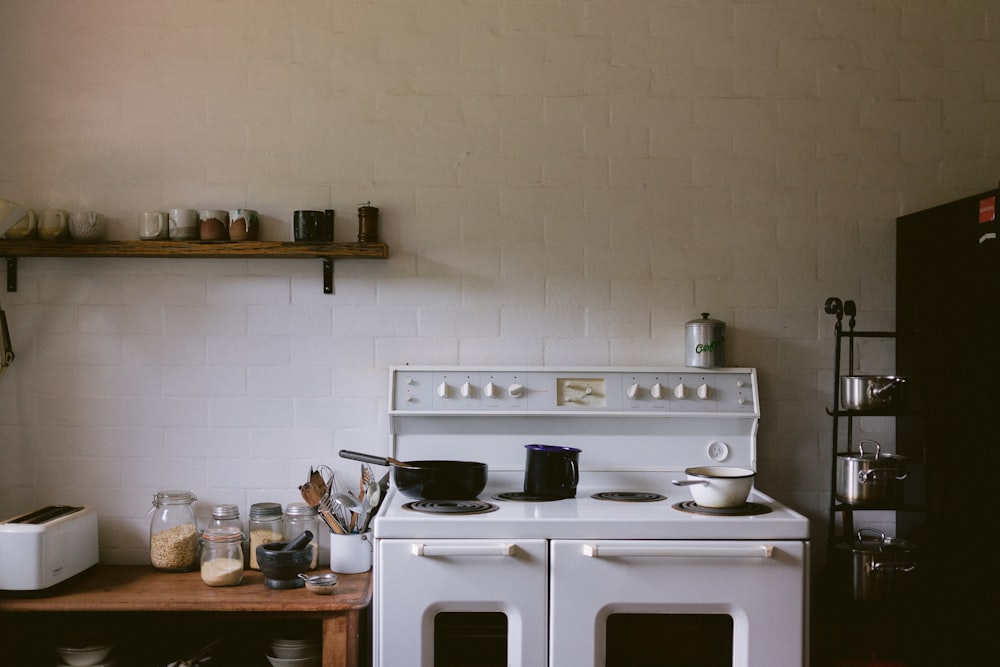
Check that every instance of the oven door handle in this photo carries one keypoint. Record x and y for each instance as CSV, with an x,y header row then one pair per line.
x,y
432,550
678,551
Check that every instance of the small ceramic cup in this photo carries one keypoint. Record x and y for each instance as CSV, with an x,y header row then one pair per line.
x,y
183,224
154,226
308,226
214,225
243,225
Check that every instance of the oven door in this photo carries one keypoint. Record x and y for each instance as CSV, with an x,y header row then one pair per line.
x,y
683,603
439,602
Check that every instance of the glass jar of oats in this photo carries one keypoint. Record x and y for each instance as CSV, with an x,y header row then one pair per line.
x,y
266,527
173,532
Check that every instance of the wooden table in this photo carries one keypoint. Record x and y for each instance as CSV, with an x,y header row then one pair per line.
x,y
142,589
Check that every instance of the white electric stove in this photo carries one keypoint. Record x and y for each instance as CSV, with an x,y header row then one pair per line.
x,y
587,580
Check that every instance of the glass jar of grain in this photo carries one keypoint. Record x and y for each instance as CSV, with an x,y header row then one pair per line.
x,y
266,527
173,532
222,556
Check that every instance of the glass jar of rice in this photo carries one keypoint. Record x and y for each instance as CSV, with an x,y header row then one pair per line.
x,y
173,532
266,527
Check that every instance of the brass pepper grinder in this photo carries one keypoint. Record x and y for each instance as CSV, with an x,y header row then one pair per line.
x,y
367,223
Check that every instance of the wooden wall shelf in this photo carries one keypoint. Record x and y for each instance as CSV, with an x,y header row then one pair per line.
x,y
328,252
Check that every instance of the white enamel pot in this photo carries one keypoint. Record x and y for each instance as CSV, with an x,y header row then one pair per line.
x,y
718,486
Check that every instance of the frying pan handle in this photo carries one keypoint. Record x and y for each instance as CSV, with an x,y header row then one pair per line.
x,y
367,458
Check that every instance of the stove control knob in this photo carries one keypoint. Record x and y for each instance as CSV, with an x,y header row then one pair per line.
x,y
680,391
467,390
632,391
516,390
741,383
742,400
704,392
490,390
657,390
443,390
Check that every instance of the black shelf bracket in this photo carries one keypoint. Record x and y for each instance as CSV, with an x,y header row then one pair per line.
x,y
327,275
12,274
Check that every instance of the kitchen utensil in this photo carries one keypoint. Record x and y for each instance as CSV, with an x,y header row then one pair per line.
x,y
299,541
551,471
282,568
320,584
870,477
431,480
704,343
315,497
881,567
718,486
348,504
872,392
383,486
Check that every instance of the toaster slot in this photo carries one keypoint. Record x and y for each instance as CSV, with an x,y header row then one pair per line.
x,y
45,514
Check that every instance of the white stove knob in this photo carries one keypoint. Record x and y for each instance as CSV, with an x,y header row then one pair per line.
x,y
741,383
467,390
680,391
742,400
516,390
704,391
443,390
490,390
657,390
632,391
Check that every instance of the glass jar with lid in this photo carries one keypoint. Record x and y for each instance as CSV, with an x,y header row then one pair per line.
x,y
173,532
300,517
266,527
222,556
228,515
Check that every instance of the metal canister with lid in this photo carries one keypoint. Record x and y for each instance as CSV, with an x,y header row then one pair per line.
x,y
367,224
704,343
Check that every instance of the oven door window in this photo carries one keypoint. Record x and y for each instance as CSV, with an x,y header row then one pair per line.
x,y
458,635
678,640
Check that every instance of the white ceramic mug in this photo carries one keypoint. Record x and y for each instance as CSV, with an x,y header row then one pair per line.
x,y
86,226
53,225
154,226
25,228
183,224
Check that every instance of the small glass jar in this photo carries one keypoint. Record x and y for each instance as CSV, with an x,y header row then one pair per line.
x,y
173,532
229,516
266,527
222,556
299,517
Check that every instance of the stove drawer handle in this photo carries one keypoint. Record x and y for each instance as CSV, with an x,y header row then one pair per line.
x,y
603,551
432,550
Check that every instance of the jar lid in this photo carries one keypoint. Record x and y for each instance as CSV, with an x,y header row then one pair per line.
x,y
301,509
265,510
173,497
226,512
222,534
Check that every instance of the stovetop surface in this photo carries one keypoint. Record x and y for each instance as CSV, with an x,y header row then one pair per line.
x,y
584,517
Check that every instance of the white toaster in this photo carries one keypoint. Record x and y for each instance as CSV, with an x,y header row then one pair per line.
x,y
44,547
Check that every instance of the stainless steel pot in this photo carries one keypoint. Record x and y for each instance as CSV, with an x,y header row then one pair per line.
x,y
704,343
881,567
872,392
870,477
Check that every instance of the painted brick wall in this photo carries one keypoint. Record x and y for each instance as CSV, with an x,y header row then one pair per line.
x,y
561,182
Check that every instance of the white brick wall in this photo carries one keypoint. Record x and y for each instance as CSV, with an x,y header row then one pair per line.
x,y
560,183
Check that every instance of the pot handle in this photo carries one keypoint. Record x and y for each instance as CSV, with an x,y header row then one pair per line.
x,y
874,531
861,448
689,482
875,392
872,476
885,568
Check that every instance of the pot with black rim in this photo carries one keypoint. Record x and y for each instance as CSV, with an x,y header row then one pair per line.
x,y
718,487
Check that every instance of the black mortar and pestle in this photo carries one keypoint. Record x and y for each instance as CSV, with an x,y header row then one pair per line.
x,y
283,562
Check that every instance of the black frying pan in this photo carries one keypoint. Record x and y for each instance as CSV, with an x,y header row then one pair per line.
x,y
431,480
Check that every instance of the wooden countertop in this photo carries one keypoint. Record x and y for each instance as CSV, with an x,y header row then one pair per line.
x,y
141,588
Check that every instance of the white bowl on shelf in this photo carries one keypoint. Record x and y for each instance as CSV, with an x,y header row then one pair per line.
x,y
85,656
